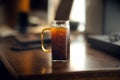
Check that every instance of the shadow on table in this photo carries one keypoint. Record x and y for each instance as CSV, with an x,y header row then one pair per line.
x,y
4,74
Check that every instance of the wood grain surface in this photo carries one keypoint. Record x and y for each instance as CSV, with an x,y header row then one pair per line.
x,y
86,63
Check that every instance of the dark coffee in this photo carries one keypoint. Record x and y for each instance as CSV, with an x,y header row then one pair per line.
x,y
60,43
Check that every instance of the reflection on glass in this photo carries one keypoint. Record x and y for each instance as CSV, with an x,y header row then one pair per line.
x,y
45,70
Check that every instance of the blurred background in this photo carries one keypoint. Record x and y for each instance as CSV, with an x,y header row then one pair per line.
x,y
96,17
86,16
41,12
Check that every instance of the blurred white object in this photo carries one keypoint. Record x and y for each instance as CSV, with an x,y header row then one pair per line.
x,y
6,31
34,20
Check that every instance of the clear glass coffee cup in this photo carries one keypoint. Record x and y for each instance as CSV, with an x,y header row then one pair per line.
x,y
60,38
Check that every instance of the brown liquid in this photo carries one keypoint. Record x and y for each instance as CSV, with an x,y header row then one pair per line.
x,y
60,43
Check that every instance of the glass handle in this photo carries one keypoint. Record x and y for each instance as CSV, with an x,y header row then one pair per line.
x,y
42,40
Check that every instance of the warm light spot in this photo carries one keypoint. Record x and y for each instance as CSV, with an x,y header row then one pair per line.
x,y
78,54
23,5
81,28
78,14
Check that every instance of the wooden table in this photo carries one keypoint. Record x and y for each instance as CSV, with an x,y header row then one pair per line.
x,y
86,63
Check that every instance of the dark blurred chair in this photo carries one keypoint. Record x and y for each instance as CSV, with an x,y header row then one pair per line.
x,y
63,11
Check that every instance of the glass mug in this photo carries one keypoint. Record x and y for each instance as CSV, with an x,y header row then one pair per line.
x,y
60,35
